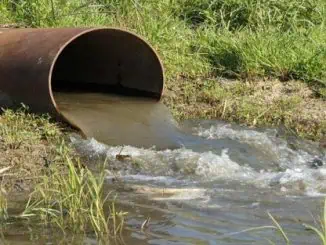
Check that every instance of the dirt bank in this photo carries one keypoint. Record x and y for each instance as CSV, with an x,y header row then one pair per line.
x,y
258,102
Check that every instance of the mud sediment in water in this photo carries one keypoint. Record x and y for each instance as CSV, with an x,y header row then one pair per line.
x,y
120,120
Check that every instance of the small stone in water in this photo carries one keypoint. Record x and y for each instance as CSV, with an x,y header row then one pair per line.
x,y
316,163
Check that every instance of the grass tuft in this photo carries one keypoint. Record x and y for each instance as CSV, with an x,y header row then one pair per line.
x,y
320,232
3,206
36,161
75,202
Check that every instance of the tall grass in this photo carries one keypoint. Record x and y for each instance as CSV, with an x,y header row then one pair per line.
x,y
320,231
66,194
75,202
3,206
256,15
266,53
282,38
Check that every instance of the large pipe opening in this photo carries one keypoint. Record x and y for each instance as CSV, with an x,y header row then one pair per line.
x,y
104,81
108,61
107,83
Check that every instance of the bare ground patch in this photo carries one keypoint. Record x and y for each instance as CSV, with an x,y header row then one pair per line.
x,y
264,102
29,144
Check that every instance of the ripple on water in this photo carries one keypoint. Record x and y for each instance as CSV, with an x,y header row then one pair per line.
x,y
204,192
187,166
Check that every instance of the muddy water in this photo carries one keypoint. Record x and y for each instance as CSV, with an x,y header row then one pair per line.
x,y
203,193
120,120
213,182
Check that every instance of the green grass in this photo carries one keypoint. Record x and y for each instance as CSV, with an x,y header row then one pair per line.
x,y
272,53
3,206
28,143
19,128
202,40
63,193
227,37
75,202
319,231
235,15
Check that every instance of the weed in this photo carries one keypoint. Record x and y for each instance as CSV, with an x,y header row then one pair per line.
x,y
3,206
75,202
321,233
22,128
67,195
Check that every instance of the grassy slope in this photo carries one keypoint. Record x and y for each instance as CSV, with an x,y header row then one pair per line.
x,y
38,167
27,145
266,46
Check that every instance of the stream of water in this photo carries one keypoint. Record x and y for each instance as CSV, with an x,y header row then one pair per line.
x,y
204,193
206,181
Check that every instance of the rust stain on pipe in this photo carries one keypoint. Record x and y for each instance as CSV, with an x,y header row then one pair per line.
x,y
35,63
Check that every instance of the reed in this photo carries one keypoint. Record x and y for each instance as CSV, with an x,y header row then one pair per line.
x,y
75,202
3,206
319,231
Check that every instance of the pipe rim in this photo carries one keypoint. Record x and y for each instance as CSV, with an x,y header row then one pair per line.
x,y
56,57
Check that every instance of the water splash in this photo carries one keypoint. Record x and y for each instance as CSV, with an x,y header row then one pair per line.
x,y
196,168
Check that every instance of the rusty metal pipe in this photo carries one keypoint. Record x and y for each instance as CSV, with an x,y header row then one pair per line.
x,y
35,63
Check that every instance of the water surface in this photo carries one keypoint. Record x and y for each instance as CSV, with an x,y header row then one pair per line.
x,y
120,120
200,182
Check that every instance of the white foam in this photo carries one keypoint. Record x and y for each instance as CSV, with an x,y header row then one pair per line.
x,y
266,142
187,166
177,162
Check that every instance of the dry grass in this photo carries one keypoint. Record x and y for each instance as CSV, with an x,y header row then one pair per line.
x,y
255,103
28,144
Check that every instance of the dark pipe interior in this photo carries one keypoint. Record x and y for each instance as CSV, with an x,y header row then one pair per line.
x,y
108,60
